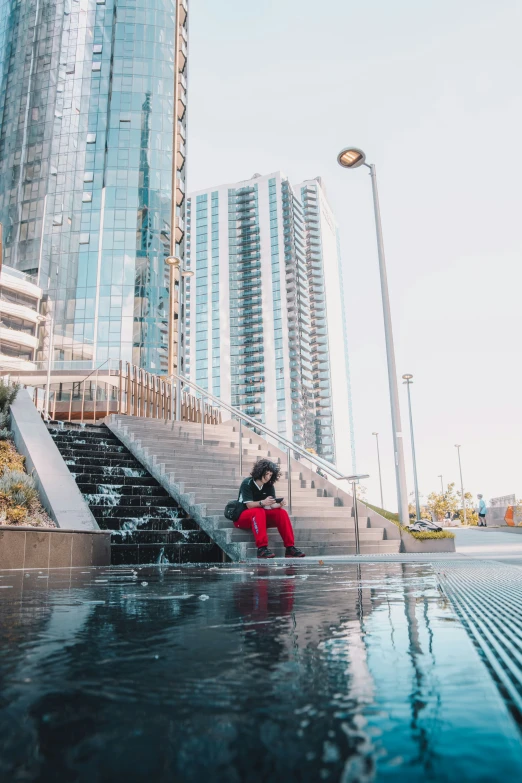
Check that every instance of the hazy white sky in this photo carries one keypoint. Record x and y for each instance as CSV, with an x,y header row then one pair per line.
x,y
431,91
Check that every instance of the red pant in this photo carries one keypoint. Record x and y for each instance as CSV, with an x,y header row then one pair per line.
x,y
259,519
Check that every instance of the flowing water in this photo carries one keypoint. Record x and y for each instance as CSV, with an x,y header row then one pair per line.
x,y
245,673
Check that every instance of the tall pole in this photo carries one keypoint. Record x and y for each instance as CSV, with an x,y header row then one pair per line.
x,y
178,161
416,485
457,446
441,485
356,518
400,471
379,464
49,363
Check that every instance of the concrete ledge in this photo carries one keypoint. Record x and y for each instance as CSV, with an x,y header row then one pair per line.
x,y
59,494
411,544
44,547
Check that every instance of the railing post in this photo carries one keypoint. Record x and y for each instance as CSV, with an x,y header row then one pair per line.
x,y
356,519
202,421
289,468
178,399
120,389
240,448
95,397
83,401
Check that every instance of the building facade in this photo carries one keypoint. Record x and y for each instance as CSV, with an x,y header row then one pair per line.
x,y
329,340
256,328
19,320
92,113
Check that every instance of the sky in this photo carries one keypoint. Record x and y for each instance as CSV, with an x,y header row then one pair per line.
x,y
431,91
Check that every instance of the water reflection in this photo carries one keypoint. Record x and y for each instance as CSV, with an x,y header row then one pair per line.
x,y
305,673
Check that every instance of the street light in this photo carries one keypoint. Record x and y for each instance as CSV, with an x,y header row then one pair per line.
x,y
49,319
352,158
354,480
408,379
379,464
457,446
441,485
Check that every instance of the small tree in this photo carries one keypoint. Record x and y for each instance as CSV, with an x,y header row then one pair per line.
x,y
471,514
439,503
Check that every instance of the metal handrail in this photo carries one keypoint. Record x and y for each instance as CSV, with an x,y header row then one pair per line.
x,y
96,369
290,445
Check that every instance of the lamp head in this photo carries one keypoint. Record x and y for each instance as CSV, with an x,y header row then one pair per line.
x,y
173,261
407,377
375,433
351,158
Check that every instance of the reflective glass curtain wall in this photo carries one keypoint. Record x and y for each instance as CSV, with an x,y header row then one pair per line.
x,y
86,137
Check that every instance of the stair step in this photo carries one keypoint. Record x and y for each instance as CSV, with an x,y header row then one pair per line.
x,y
322,550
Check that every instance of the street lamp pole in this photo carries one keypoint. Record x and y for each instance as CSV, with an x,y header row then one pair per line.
x,y
457,446
408,380
441,485
353,158
49,319
379,464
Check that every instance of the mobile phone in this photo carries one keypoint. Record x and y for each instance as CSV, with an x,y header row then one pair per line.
x,y
279,500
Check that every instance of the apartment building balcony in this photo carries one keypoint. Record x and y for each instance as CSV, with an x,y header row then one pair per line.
x,y
19,303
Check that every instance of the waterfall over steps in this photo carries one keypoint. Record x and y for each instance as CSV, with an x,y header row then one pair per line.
x,y
147,524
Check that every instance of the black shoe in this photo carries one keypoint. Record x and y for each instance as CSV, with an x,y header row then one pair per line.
x,y
263,553
293,551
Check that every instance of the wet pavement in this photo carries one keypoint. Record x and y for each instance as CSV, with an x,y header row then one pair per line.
x,y
307,672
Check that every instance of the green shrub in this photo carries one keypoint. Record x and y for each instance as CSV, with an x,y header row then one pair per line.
x,y
4,434
420,536
19,488
386,514
8,393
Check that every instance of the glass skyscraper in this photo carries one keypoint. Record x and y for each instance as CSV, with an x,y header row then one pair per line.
x,y
265,309
92,104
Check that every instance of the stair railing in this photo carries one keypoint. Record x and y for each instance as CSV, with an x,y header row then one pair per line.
x,y
179,381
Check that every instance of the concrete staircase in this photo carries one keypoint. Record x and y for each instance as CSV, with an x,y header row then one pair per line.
x,y
202,478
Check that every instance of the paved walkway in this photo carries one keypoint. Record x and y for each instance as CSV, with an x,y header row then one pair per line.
x,y
489,544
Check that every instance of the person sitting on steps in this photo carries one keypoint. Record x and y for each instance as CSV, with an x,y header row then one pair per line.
x,y
262,510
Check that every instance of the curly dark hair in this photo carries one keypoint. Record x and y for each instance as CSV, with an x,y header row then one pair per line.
x,y
264,465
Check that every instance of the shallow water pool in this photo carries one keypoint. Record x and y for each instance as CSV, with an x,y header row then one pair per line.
x,y
245,673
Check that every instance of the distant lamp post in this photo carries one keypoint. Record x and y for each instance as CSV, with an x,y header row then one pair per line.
x,y
354,480
408,380
48,319
352,158
458,447
441,485
379,464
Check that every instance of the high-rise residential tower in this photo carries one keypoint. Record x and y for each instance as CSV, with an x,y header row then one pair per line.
x,y
92,132
257,322
329,344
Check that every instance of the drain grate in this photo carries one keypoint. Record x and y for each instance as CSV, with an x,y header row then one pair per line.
x,y
488,600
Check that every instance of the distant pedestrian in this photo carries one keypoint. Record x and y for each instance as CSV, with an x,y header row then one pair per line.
x,y
482,509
